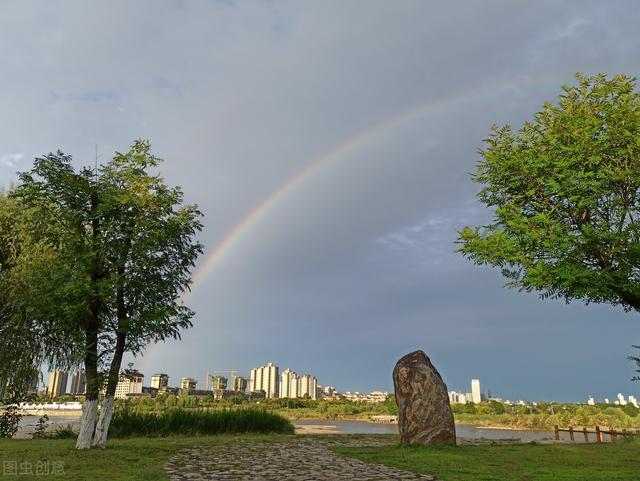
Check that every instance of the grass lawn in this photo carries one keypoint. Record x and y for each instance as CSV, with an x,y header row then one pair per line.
x,y
512,462
135,459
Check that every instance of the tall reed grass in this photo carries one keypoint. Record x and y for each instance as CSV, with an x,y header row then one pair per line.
x,y
127,423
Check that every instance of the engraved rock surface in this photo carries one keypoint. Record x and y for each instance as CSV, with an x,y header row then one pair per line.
x,y
425,415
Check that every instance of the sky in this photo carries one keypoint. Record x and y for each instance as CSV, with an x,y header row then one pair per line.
x,y
352,127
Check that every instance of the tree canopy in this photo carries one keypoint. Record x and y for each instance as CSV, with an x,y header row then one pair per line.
x,y
565,189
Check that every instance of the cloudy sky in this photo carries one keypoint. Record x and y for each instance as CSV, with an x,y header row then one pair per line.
x,y
352,264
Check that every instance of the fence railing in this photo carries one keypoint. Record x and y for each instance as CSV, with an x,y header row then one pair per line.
x,y
599,433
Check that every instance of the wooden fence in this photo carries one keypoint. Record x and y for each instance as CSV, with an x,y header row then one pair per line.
x,y
600,433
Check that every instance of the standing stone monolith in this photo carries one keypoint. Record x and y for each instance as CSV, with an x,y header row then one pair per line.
x,y
423,402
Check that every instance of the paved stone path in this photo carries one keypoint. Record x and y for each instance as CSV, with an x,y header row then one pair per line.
x,y
296,460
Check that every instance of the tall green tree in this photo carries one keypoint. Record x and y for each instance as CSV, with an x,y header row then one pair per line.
x,y
565,189
72,294
124,246
150,250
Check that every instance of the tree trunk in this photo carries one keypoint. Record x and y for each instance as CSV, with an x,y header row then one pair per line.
x,y
92,329
87,424
106,411
102,428
90,406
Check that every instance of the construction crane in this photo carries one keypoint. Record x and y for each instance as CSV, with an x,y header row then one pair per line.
x,y
208,374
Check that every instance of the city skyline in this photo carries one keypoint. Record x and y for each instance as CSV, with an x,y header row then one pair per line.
x,y
331,162
477,391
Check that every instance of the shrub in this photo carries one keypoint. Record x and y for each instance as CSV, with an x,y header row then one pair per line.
x,y
9,421
41,427
194,422
63,432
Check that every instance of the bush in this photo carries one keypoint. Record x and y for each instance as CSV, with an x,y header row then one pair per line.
x,y
41,427
127,423
63,432
9,421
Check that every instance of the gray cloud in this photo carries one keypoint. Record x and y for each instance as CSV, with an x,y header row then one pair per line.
x,y
356,264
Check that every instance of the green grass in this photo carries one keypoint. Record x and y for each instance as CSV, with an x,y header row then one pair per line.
x,y
127,423
135,459
512,462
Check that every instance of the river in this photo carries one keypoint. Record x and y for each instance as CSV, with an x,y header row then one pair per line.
x,y
341,426
463,431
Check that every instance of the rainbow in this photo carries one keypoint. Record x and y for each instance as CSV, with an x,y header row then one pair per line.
x,y
342,150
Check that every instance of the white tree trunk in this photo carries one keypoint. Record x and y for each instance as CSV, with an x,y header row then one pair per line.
x,y
102,428
87,424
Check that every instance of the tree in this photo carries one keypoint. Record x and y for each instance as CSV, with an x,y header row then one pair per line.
x,y
150,251
26,342
565,189
15,366
124,247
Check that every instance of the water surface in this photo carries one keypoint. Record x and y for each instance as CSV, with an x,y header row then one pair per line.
x,y
463,431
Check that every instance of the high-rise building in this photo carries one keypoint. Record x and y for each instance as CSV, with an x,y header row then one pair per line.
x,y
288,384
329,391
78,383
57,383
218,383
476,394
239,384
457,398
129,382
188,383
307,385
160,381
265,379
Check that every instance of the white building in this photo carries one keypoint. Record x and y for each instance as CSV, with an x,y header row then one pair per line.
x,y
457,398
372,397
591,401
289,384
265,379
129,383
632,400
160,381
377,396
188,383
307,386
329,391
476,393
621,401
